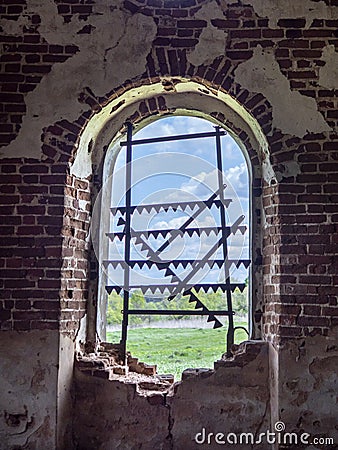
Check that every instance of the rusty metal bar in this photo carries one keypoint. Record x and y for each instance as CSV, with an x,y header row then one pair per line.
x,y
230,332
178,137
126,278
179,285
179,312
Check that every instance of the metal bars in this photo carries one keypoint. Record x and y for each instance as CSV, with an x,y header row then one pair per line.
x,y
126,279
178,286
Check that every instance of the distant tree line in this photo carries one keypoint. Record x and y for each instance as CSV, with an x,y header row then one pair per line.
x,y
213,301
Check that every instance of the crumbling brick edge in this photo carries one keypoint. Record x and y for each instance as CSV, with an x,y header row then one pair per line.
x,y
105,362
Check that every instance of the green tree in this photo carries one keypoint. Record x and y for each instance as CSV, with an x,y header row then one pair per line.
x,y
114,307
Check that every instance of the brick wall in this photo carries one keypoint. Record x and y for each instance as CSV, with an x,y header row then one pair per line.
x,y
45,211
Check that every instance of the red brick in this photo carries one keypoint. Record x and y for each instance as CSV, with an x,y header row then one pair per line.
x,y
191,23
183,42
312,321
301,74
238,54
246,34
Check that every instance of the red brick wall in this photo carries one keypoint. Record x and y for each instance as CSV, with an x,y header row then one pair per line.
x,y
44,250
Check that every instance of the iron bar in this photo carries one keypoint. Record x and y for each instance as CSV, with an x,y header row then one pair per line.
x,y
184,262
163,232
154,255
184,226
230,332
174,206
178,312
196,266
175,289
126,278
177,284
178,137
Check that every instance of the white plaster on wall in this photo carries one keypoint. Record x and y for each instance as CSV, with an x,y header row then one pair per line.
x,y
211,45
28,371
328,74
287,169
113,38
293,113
290,9
212,41
188,98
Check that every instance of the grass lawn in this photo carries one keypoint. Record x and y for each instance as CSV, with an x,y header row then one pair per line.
x,y
176,349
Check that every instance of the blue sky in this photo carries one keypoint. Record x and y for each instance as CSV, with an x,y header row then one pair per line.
x,y
183,171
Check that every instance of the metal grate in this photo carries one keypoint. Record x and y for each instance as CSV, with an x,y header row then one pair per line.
x,y
179,285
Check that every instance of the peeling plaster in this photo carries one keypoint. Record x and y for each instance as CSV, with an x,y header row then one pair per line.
x,y
287,169
93,66
188,98
308,382
328,74
211,45
212,41
28,389
286,9
293,113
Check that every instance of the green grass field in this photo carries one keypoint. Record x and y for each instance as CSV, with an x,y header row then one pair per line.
x,y
176,349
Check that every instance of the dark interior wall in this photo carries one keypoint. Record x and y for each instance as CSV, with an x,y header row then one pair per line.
x,y
62,64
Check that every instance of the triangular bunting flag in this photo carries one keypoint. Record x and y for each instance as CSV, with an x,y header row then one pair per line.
x,y
121,221
242,229
208,231
138,240
163,233
241,287
208,203
199,304
109,289
193,298
217,324
190,231
144,246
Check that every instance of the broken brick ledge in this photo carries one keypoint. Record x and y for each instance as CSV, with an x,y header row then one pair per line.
x,y
106,363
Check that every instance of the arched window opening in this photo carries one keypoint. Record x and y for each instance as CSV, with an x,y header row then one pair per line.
x,y
182,245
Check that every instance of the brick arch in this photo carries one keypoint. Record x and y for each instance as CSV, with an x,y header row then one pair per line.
x,y
142,105
144,102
